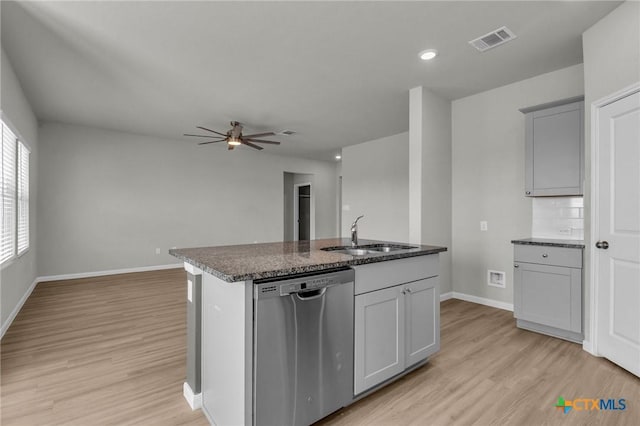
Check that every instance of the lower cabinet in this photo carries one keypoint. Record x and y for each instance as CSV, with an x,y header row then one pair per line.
x,y
549,295
395,328
548,290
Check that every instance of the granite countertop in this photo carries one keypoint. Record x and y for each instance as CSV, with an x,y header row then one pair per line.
x,y
579,244
267,260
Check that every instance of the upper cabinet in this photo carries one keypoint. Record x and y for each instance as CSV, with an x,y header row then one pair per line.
x,y
554,148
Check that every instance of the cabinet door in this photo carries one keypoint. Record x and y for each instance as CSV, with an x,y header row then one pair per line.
x,y
549,295
422,303
554,151
379,337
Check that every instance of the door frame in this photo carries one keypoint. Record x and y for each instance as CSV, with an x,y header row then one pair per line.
x,y
592,345
312,210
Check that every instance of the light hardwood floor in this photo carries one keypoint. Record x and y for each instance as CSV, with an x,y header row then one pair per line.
x,y
111,351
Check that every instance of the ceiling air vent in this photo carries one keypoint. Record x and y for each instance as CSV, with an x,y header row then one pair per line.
x,y
493,39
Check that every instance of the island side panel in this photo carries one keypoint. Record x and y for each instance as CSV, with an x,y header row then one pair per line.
x,y
194,320
227,351
191,389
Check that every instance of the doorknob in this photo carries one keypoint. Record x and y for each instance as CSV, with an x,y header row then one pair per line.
x,y
602,245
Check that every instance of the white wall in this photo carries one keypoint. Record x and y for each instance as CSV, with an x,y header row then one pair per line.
x,y
435,187
611,50
19,275
109,199
375,183
488,177
288,206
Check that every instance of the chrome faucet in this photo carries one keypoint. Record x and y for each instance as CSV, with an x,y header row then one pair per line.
x,y
354,231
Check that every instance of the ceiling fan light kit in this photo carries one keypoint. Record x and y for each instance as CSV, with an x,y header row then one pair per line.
x,y
234,137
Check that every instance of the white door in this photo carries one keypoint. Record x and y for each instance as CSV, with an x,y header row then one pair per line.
x,y
617,226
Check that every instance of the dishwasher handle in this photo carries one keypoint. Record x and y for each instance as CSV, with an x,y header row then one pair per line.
x,y
311,294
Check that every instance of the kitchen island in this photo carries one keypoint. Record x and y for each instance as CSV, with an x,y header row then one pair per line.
x,y
391,302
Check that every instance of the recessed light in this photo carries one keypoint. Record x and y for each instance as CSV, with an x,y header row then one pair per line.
x,y
338,157
428,54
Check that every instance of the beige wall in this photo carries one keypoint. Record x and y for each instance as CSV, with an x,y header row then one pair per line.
x,y
488,177
375,183
18,275
611,63
109,199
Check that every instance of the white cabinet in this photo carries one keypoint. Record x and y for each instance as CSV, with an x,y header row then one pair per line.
x,y
422,313
379,335
554,148
548,290
396,326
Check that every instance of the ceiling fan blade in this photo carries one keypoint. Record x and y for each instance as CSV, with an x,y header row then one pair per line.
x,y
244,142
213,131
261,141
204,143
202,136
257,135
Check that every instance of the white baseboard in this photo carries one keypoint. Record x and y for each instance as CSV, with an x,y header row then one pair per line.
x,y
446,296
483,301
15,311
194,401
109,272
587,345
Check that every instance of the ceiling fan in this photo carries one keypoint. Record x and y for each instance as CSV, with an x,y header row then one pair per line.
x,y
234,137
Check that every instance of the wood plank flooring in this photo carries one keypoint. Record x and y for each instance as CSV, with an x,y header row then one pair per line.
x,y
99,351
111,351
488,372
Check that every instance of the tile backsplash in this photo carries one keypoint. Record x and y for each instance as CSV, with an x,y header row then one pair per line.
x,y
558,217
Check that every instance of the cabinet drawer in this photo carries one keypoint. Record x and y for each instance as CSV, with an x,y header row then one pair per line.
x,y
376,276
546,255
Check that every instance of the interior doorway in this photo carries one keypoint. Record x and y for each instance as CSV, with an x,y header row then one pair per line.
x,y
302,212
299,206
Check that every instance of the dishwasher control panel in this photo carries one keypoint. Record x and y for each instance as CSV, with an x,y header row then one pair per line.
x,y
284,287
310,284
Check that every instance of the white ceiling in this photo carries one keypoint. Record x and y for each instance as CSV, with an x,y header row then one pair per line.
x,y
338,73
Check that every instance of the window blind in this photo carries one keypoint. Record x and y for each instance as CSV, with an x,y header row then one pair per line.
x,y
23,197
7,238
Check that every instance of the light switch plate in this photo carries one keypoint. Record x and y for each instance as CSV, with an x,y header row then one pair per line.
x,y
484,225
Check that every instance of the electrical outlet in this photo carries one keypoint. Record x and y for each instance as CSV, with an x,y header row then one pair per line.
x,y
484,225
158,250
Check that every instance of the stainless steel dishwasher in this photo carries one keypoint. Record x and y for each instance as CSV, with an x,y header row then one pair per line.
x,y
303,348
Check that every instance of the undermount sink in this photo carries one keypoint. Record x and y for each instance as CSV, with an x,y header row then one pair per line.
x,y
351,251
368,249
386,248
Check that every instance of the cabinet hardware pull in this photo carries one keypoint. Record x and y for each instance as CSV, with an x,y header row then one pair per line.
x,y
516,266
528,192
545,255
602,245
408,290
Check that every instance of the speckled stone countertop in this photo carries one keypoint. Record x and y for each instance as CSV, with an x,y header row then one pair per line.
x,y
267,260
579,244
